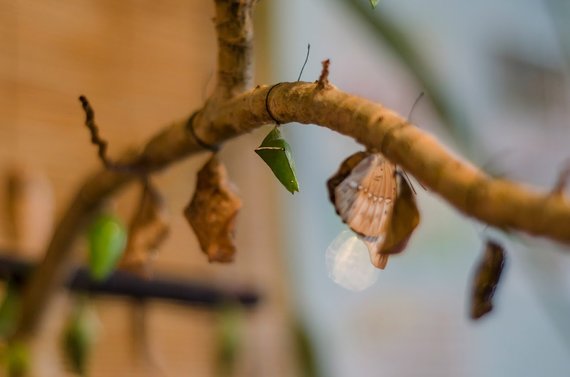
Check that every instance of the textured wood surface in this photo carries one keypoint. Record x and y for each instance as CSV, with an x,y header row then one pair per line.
x,y
142,64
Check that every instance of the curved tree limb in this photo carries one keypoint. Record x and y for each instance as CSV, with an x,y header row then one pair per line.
x,y
497,202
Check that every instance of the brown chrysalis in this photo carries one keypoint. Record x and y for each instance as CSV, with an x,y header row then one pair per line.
x,y
148,229
486,279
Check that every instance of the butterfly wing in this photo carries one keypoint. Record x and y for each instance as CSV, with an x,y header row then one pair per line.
x,y
365,198
374,245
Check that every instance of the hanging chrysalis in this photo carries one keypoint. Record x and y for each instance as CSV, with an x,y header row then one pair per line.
x,y
79,337
107,239
230,334
486,279
276,153
17,359
212,212
365,194
9,310
147,231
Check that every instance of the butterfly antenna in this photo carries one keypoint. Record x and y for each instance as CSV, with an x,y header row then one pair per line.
x,y
409,180
402,173
305,63
420,96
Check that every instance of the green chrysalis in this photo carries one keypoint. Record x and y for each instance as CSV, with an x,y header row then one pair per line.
x,y
78,337
230,328
17,359
107,240
276,153
374,3
9,310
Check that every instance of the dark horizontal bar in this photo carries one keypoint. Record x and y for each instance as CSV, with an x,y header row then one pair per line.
x,y
125,284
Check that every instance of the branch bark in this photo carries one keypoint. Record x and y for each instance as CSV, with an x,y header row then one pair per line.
x,y
497,202
234,27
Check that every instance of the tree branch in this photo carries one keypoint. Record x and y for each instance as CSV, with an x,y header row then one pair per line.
x,y
497,202
234,27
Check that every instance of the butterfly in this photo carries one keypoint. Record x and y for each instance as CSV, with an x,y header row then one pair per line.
x,y
376,203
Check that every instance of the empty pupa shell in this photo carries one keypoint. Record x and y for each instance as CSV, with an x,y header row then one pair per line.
x,y
276,153
213,210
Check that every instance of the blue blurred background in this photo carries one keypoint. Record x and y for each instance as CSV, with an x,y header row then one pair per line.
x,y
495,77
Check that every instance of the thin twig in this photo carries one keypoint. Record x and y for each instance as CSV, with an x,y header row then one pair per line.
x,y
94,130
101,144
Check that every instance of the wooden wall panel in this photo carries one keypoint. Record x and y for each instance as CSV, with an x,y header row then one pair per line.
x,y
142,64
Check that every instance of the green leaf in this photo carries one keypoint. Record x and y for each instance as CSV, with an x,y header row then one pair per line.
x,y
374,3
79,337
276,153
9,311
107,240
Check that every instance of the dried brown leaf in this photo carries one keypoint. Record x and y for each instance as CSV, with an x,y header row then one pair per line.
x,y
486,279
212,212
148,229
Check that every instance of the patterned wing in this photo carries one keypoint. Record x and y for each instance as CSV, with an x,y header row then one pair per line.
x,y
365,198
